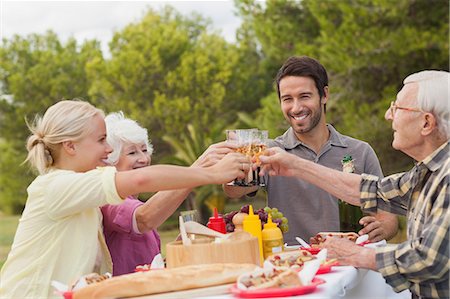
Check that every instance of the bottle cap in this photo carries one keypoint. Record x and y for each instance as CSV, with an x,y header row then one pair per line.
x,y
269,223
217,222
251,216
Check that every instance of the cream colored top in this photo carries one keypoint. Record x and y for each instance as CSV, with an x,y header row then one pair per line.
x,y
59,233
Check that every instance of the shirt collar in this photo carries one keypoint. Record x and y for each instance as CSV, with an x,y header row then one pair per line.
x,y
437,158
290,141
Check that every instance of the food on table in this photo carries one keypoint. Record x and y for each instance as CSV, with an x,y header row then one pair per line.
x,y
164,280
269,278
277,217
294,259
322,236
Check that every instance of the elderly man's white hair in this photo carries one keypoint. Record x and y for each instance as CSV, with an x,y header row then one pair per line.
x,y
434,96
121,130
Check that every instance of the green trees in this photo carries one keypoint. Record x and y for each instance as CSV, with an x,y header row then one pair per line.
x,y
186,84
367,46
35,72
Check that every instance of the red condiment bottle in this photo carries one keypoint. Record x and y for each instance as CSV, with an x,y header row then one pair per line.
x,y
217,223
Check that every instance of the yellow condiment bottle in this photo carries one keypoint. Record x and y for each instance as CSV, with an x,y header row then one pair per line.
x,y
272,238
252,225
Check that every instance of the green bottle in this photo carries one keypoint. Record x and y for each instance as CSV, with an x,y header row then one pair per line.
x,y
349,215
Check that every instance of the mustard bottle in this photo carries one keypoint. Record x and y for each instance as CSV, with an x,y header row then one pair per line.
x,y
272,238
252,225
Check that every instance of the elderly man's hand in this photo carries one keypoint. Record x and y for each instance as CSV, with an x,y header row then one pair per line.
x,y
349,254
373,227
379,226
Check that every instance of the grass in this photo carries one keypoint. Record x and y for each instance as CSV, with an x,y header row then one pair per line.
x,y
8,226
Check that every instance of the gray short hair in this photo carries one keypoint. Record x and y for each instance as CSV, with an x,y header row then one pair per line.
x,y
121,130
433,96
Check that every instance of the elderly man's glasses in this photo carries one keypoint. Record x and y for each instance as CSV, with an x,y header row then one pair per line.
x,y
394,108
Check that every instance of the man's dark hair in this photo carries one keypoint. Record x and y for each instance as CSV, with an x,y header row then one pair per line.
x,y
303,66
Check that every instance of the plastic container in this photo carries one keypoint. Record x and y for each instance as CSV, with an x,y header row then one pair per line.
x,y
217,223
272,238
252,225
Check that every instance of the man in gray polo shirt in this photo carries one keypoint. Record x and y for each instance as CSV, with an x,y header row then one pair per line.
x,y
302,86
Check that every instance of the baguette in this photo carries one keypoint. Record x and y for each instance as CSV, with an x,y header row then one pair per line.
x,y
166,280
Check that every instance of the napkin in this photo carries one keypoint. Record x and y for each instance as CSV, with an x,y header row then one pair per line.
x,y
362,239
158,262
309,270
322,255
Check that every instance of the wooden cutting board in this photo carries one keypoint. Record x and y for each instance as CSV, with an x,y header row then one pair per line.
x,y
193,293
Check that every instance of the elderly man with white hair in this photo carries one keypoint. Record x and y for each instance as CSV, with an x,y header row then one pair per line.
x,y
130,228
421,123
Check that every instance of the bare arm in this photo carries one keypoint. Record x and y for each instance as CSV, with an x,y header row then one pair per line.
x,y
158,208
168,177
164,203
342,185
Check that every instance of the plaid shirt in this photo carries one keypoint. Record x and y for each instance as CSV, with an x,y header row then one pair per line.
x,y
422,194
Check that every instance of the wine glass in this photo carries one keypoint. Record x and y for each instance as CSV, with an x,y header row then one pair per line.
x,y
259,145
252,143
190,215
241,137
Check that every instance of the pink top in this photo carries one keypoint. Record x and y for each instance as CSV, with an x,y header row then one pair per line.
x,y
127,247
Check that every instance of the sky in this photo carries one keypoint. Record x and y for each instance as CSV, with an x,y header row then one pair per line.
x,y
100,19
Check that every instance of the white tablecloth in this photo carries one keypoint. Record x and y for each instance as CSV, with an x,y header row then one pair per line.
x,y
349,283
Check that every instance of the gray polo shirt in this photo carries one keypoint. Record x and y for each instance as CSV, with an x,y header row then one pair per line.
x,y
308,208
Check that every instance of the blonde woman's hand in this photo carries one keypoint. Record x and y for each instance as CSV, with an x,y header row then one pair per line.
x,y
214,153
230,167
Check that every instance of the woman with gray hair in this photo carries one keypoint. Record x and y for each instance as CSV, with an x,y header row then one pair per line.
x,y
130,228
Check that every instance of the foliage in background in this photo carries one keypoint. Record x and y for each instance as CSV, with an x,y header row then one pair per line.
x,y
35,72
367,47
186,84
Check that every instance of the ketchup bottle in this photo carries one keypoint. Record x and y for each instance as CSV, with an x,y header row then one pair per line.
x,y
217,223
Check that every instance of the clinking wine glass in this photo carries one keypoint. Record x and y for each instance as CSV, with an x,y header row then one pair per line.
x,y
251,142
258,146
242,138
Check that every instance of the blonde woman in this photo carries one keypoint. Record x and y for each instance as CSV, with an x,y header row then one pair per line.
x,y
59,235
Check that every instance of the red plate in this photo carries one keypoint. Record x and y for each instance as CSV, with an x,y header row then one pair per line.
x,y
278,292
326,268
312,250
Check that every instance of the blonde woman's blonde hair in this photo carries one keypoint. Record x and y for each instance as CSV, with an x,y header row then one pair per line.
x,y
67,120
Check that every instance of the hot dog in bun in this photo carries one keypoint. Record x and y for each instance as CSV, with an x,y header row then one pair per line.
x,y
322,236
